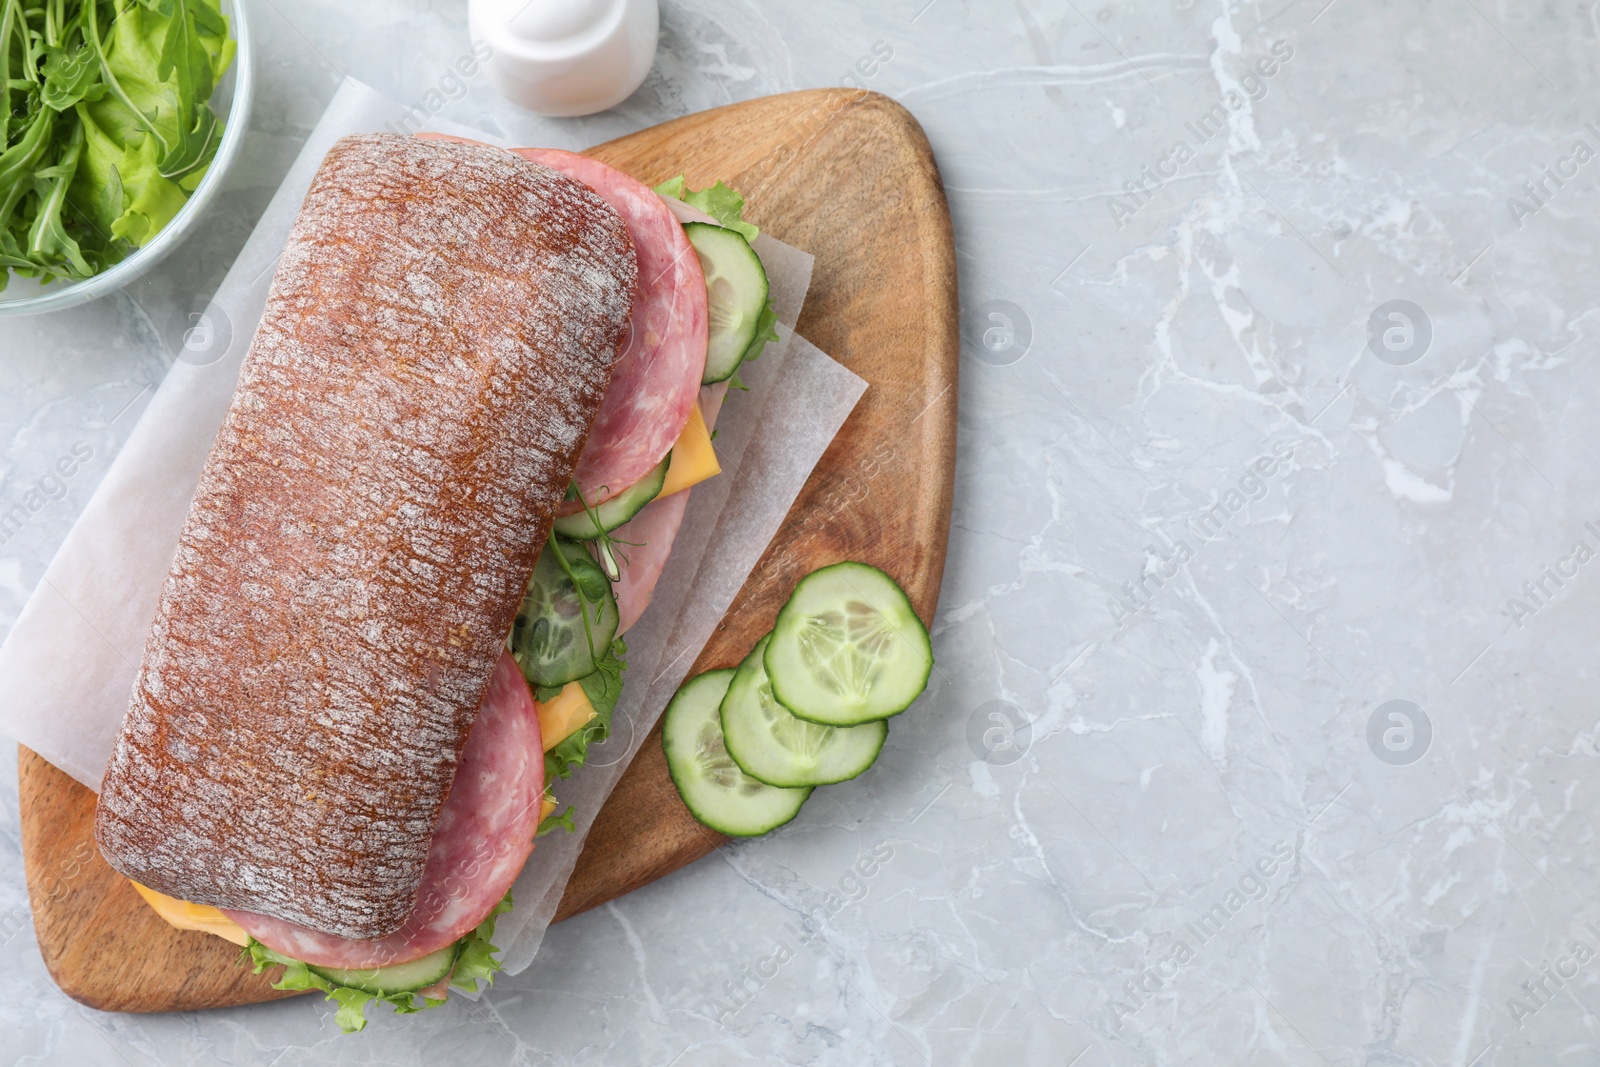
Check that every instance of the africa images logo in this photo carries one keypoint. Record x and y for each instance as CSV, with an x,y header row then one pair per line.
x,y
1399,732
999,733
1206,526
1201,130
1539,591
1537,992
1399,333
51,486
852,888
999,332
1253,886
1539,191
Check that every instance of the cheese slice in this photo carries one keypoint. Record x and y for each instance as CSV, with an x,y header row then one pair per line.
x,y
187,916
693,458
562,715
547,807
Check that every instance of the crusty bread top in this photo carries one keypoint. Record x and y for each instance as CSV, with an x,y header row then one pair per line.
x,y
436,343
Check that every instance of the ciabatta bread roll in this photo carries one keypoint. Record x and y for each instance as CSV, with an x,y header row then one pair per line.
x,y
437,341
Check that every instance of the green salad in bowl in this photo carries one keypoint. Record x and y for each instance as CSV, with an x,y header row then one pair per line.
x,y
110,130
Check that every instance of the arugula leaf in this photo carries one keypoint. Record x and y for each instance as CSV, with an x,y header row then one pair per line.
x,y
70,77
475,962
208,19
602,686
195,147
48,237
185,63
18,160
182,61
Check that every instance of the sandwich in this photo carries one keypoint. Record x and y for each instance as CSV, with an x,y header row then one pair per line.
x,y
461,446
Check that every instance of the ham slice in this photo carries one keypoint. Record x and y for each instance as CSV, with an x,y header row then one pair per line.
x,y
647,537
483,838
645,543
711,398
439,990
655,381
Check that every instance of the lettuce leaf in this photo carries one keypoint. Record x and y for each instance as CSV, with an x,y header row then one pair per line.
x,y
352,1015
602,686
557,820
672,188
721,202
475,962
725,205
766,330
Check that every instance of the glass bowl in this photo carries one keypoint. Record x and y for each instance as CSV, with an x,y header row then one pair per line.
x,y
231,101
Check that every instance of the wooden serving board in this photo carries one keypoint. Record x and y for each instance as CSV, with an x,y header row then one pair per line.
x,y
846,175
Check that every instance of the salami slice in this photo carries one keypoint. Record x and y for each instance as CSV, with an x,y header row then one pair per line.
x,y
655,381
484,836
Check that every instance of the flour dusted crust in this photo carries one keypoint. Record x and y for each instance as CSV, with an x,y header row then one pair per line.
x,y
436,343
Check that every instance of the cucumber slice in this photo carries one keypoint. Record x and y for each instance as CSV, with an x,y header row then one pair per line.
x,y
848,648
770,744
712,786
398,978
549,640
736,285
603,518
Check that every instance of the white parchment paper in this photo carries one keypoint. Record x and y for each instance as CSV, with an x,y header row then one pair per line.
x,y
69,663
768,445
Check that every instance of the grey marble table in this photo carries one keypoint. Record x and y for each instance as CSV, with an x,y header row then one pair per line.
x,y
1263,730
